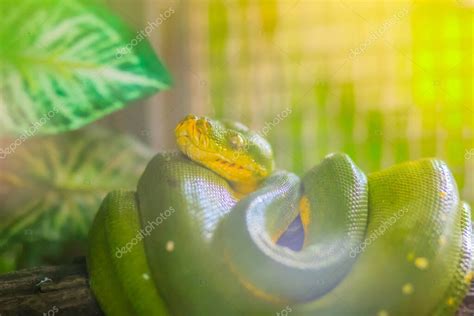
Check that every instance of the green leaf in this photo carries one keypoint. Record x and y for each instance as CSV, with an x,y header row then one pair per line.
x,y
52,186
64,64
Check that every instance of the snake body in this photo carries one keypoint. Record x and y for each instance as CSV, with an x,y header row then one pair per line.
x,y
395,242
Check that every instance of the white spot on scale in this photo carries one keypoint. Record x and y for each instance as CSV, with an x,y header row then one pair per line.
x,y
442,240
407,289
421,263
170,246
382,313
146,276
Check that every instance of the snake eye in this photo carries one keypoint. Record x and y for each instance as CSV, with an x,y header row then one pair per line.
x,y
236,141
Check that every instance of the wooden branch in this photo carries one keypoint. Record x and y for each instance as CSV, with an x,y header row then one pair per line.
x,y
64,290
49,290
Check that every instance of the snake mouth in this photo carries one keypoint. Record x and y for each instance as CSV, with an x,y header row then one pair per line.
x,y
194,136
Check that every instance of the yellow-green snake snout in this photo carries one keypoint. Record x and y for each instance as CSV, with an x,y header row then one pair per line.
x,y
394,242
239,155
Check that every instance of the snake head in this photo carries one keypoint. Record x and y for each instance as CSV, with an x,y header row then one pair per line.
x,y
232,150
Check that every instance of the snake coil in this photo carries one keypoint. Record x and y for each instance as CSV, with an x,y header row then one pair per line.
x,y
395,242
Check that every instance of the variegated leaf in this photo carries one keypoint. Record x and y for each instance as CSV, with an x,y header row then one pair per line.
x,y
64,64
52,186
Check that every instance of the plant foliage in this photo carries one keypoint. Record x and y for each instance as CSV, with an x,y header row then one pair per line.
x,y
69,63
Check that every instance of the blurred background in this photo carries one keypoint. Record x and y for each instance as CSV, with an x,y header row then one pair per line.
x,y
384,81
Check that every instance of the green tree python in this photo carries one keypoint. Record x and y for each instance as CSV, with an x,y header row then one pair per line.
x,y
213,230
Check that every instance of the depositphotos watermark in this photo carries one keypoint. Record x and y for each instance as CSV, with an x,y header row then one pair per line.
x,y
149,227
268,126
285,311
52,311
377,233
31,131
141,35
380,31
469,154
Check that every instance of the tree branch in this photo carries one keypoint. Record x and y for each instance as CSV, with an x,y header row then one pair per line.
x,y
49,290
